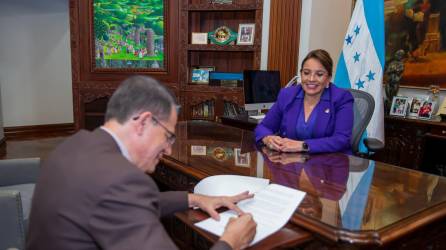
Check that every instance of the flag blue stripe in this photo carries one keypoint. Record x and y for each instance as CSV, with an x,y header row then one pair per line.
x,y
341,78
374,14
361,146
354,212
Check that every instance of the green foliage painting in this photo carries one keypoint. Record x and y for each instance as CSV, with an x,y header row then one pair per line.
x,y
129,33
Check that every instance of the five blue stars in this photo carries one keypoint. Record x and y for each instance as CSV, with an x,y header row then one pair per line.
x,y
360,83
357,29
349,39
356,57
371,75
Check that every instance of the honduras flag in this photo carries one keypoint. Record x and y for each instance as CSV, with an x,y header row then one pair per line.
x,y
361,63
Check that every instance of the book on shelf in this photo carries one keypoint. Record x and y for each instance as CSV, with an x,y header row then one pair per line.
x,y
231,109
271,207
225,79
206,109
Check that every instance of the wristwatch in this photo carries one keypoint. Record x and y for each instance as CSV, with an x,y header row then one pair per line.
x,y
305,147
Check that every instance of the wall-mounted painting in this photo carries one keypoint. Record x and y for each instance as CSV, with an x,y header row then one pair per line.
x,y
129,34
419,28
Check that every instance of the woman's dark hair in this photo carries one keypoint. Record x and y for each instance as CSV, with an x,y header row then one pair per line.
x,y
323,57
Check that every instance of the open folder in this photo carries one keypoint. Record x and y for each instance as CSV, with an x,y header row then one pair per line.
x,y
272,205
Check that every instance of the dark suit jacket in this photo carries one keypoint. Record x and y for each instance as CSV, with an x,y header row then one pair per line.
x,y
91,197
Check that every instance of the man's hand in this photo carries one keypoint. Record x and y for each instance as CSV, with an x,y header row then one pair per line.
x,y
210,204
239,232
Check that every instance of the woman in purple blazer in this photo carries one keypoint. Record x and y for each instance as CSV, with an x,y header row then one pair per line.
x,y
315,116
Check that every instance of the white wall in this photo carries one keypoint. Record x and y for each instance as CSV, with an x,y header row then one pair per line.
x,y
324,24
265,35
35,67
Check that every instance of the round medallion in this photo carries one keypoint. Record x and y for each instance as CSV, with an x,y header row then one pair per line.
x,y
219,154
222,36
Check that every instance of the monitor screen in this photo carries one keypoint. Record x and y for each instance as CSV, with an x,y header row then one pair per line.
x,y
261,88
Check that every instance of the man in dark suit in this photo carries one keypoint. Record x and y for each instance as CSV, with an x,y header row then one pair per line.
x,y
94,193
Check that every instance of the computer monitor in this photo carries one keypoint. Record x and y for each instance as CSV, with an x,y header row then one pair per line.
x,y
261,88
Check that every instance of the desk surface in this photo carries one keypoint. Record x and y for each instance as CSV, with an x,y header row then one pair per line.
x,y
348,198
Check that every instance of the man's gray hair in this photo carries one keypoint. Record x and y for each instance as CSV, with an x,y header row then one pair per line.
x,y
139,94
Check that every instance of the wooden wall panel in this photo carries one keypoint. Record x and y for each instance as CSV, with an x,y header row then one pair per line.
x,y
284,30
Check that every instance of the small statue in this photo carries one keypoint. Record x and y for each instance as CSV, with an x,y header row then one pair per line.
x,y
394,72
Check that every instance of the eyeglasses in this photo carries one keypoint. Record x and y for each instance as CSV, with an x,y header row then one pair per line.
x,y
170,136
319,74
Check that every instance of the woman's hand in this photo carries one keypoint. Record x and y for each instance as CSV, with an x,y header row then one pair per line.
x,y
288,158
289,145
273,142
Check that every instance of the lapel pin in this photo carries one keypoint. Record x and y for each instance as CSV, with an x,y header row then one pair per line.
x,y
327,111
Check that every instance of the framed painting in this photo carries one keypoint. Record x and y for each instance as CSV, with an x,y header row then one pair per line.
x,y
128,35
419,28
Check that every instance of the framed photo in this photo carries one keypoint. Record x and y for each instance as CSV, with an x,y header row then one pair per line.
x,y
126,39
399,106
246,33
417,28
197,150
242,160
200,74
415,106
426,110
199,38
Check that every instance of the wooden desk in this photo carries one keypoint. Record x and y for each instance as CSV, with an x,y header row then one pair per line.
x,y
350,202
411,143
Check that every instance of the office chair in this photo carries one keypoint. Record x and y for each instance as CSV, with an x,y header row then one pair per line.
x,y
17,181
362,113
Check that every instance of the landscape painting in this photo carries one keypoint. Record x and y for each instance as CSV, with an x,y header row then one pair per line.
x,y
419,28
129,34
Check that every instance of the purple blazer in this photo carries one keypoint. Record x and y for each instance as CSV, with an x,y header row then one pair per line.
x,y
334,120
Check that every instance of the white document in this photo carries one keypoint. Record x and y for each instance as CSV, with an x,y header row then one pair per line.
x,y
218,185
272,205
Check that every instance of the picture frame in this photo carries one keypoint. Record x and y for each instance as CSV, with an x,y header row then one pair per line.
x,y
399,106
415,105
198,150
415,27
241,160
442,110
246,32
426,110
200,74
136,46
199,38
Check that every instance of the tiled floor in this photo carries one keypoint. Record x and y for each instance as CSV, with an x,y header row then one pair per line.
x,y
29,148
